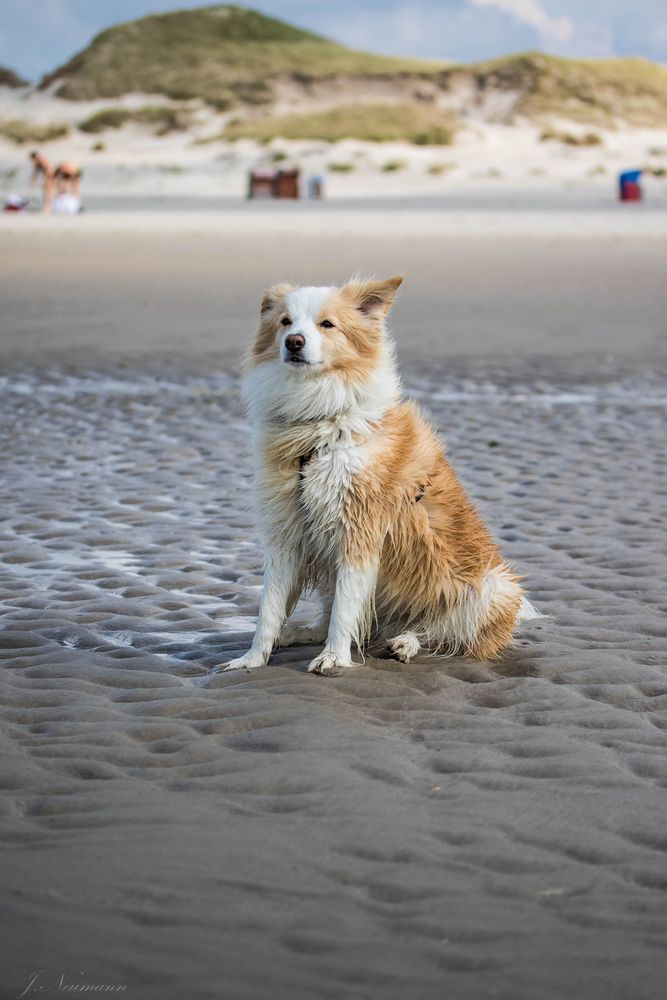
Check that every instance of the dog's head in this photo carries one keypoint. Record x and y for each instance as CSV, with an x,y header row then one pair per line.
x,y
316,331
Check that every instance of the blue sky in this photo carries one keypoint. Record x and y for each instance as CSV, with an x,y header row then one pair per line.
x,y
37,35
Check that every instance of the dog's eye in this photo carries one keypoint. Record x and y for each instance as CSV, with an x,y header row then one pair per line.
x,y
286,321
327,324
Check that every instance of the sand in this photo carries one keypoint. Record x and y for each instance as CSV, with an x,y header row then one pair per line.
x,y
445,829
188,284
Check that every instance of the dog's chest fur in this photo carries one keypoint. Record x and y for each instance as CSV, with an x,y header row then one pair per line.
x,y
325,475
315,465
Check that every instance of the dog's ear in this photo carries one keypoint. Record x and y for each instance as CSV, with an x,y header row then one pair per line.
x,y
375,295
273,295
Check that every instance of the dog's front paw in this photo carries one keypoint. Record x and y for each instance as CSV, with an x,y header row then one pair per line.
x,y
328,664
249,661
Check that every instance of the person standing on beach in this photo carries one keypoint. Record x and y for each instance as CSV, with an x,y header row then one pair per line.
x,y
67,176
42,166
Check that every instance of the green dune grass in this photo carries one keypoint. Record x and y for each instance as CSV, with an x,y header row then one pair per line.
x,y
222,55
592,91
22,132
421,124
161,118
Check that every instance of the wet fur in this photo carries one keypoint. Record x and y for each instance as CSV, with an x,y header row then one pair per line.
x,y
355,496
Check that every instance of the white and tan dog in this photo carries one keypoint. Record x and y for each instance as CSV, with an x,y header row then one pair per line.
x,y
355,495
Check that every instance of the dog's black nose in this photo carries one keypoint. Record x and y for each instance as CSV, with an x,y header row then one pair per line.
x,y
295,342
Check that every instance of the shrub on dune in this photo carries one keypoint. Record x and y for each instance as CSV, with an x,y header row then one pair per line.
x,y
22,132
162,118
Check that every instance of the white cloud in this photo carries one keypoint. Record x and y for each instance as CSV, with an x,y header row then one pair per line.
x,y
553,30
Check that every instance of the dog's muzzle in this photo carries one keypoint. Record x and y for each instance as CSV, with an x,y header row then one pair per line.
x,y
294,345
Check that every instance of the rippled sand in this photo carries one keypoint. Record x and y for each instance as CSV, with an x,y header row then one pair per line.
x,y
443,829
400,831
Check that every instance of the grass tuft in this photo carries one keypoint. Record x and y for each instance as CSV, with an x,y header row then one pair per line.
x,y
570,138
393,165
22,132
437,169
162,119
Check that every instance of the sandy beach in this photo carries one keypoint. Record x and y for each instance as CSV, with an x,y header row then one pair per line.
x,y
443,829
504,280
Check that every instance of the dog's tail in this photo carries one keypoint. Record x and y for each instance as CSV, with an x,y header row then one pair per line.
x,y
527,612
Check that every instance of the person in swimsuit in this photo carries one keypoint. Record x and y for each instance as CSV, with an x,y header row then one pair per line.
x,y
42,167
67,176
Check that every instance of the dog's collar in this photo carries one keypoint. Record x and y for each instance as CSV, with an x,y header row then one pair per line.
x,y
305,459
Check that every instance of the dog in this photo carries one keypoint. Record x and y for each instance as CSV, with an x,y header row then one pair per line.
x,y
355,496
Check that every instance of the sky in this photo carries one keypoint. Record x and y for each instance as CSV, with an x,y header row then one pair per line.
x,y
38,35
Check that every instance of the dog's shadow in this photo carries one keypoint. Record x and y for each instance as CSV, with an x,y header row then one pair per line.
x,y
207,654
513,663
516,662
